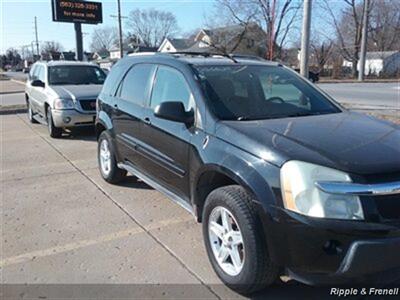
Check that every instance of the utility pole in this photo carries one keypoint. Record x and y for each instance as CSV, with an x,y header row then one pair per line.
x,y
79,42
37,40
363,41
121,46
305,38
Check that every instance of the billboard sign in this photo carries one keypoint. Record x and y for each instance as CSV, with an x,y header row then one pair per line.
x,y
73,11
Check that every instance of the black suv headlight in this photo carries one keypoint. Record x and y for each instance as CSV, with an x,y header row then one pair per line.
x,y
300,193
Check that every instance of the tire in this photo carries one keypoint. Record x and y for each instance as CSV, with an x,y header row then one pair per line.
x,y
31,113
54,131
108,168
257,271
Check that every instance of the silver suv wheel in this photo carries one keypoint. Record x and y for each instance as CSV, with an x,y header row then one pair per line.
x,y
226,241
105,157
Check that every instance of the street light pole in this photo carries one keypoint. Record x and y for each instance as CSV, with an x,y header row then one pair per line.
x,y
363,41
305,38
121,46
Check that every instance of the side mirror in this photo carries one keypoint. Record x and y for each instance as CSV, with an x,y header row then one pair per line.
x,y
174,111
37,83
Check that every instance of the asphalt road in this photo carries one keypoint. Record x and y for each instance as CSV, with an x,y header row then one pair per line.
x,y
63,224
374,95
365,94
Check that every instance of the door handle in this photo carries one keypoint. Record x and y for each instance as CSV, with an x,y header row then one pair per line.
x,y
147,120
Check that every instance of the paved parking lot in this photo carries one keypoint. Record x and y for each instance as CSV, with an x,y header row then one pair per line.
x,y
61,223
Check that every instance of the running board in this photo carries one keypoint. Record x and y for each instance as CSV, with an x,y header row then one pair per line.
x,y
178,200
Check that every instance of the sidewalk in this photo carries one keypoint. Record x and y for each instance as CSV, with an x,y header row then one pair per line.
x,y
11,86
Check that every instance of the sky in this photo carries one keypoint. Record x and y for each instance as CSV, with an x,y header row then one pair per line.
x,y
17,19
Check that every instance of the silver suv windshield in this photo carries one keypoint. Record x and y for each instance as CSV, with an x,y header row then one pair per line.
x,y
253,92
64,75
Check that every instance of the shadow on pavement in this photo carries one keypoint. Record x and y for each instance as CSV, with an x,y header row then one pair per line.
x,y
82,133
133,182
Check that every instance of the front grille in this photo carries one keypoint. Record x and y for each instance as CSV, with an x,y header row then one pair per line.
x,y
388,206
89,105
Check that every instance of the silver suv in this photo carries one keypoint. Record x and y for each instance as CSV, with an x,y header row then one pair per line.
x,y
62,94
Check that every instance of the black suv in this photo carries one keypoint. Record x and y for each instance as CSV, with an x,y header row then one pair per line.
x,y
284,180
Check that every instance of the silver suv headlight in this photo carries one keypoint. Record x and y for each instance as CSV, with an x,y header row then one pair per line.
x,y
63,104
301,195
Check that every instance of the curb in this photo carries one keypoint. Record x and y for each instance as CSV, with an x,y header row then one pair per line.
x,y
13,111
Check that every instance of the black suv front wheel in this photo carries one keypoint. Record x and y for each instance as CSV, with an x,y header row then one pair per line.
x,y
234,241
106,158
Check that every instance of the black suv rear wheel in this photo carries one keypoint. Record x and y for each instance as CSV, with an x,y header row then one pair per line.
x,y
234,241
106,158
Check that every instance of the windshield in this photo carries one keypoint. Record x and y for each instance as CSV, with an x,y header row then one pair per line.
x,y
76,75
260,92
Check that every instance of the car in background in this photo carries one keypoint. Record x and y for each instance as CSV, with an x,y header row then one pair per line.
x,y
62,94
313,76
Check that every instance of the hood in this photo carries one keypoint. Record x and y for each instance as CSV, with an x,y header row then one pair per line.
x,y
347,141
74,92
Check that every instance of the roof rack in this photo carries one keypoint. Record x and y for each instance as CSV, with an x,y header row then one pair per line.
x,y
248,56
206,54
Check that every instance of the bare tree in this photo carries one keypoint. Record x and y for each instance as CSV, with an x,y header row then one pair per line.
x,y
152,26
276,17
321,50
384,26
104,38
50,47
348,26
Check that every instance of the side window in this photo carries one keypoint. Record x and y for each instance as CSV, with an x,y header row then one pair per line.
x,y
32,72
40,73
170,85
112,80
135,85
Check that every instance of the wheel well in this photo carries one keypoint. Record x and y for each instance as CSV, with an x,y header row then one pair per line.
x,y
99,129
46,105
208,182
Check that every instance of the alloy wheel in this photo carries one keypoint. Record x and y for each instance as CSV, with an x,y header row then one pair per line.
x,y
105,157
226,240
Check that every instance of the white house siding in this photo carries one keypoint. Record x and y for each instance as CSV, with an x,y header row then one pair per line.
x,y
166,46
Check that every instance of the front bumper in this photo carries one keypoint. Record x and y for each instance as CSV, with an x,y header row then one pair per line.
x,y
322,251
72,118
366,262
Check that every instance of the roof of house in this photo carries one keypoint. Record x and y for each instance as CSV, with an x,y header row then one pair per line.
x,y
380,54
228,30
181,43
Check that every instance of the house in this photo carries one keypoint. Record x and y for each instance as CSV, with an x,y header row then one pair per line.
x,y
101,54
130,48
239,39
379,63
54,55
108,61
175,45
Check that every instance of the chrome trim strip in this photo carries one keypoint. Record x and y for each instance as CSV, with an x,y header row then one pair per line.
x,y
349,188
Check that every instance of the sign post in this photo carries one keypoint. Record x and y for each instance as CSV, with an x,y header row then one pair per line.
x,y
77,12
